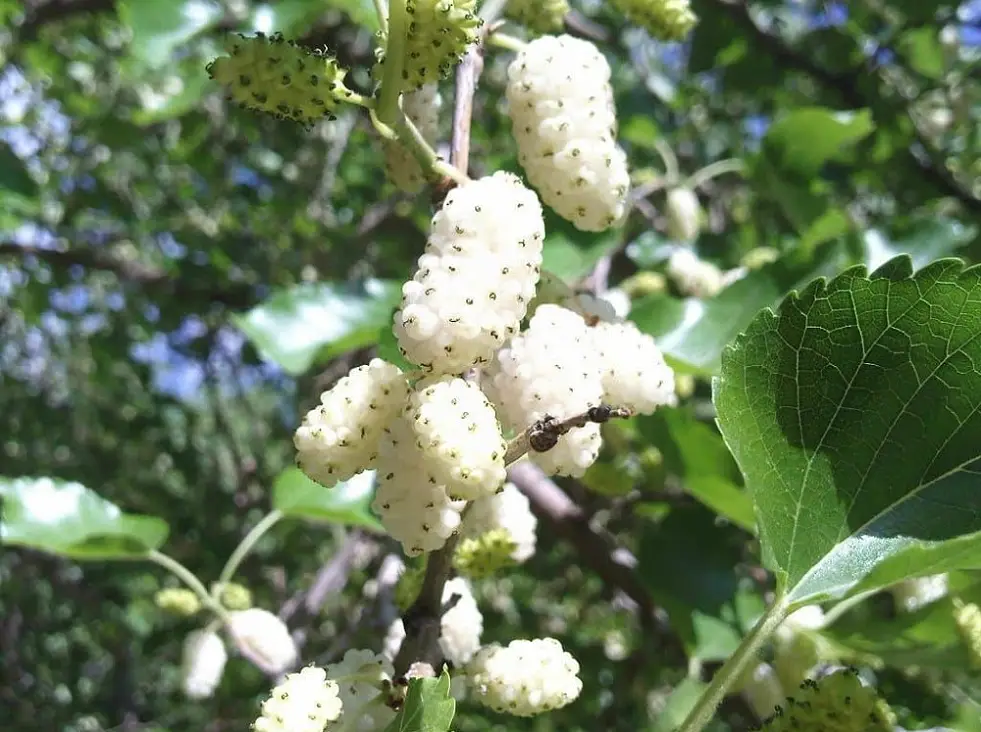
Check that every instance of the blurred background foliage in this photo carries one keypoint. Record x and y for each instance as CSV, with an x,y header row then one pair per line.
x,y
180,278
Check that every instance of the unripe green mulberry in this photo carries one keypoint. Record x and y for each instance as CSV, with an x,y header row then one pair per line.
x,y
540,16
836,703
177,600
666,20
272,75
484,555
439,34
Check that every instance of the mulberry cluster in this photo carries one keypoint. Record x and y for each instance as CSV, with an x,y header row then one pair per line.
x,y
684,214
263,638
361,676
509,511
539,16
203,663
838,702
667,20
272,75
912,594
525,678
561,107
476,277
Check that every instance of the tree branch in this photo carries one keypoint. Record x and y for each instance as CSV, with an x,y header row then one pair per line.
x,y
615,565
848,86
132,272
40,14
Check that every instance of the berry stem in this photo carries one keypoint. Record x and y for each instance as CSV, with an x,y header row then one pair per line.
x,y
503,40
713,170
381,10
670,161
244,547
391,83
704,709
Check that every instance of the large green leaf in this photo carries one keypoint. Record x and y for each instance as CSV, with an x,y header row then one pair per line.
x,y
854,414
346,503
296,327
804,140
693,333
68,519
678,704
160,27
290,17
695,452
428,706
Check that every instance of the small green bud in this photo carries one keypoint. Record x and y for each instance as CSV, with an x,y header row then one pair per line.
x,y
409,583
178,601
666,20
234,596
439,34
644,283
759,257
485,555
539,16
272,75
967,617
836,703
684,385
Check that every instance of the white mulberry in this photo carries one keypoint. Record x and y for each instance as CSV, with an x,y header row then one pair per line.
x,y
694,277
263,638
422,108
457,429
527,677
473,284
915,593
203,663
509,510
339,438
361,676
561,107
666,20
551,369
684,214
635,374
304,702
414,507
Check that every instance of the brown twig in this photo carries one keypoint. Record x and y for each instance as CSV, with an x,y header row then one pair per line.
x,y
467,75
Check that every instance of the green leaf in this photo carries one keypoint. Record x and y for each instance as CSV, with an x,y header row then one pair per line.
x,y
696,453
924,240
299,327
701,593
347,503
290,17
565,257
66,518
693,333
428,707
922,50
805,139
13,173
679,703
160,27
853,414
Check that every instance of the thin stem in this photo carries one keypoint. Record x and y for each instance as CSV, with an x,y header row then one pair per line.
x,y
503,40
726,676
713,170
381,10
391,83
352,97
244,547
845,605
431,163
188,578
669,159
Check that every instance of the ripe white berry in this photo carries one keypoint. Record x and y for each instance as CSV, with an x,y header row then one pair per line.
x,y
693,276
460,626
304,702
361,676
457,429
422,108
339,438
527,677
203,664
635,374
509,510
561,107
550,369
915,593
684,214
474,282
263,638
413,505
763,691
